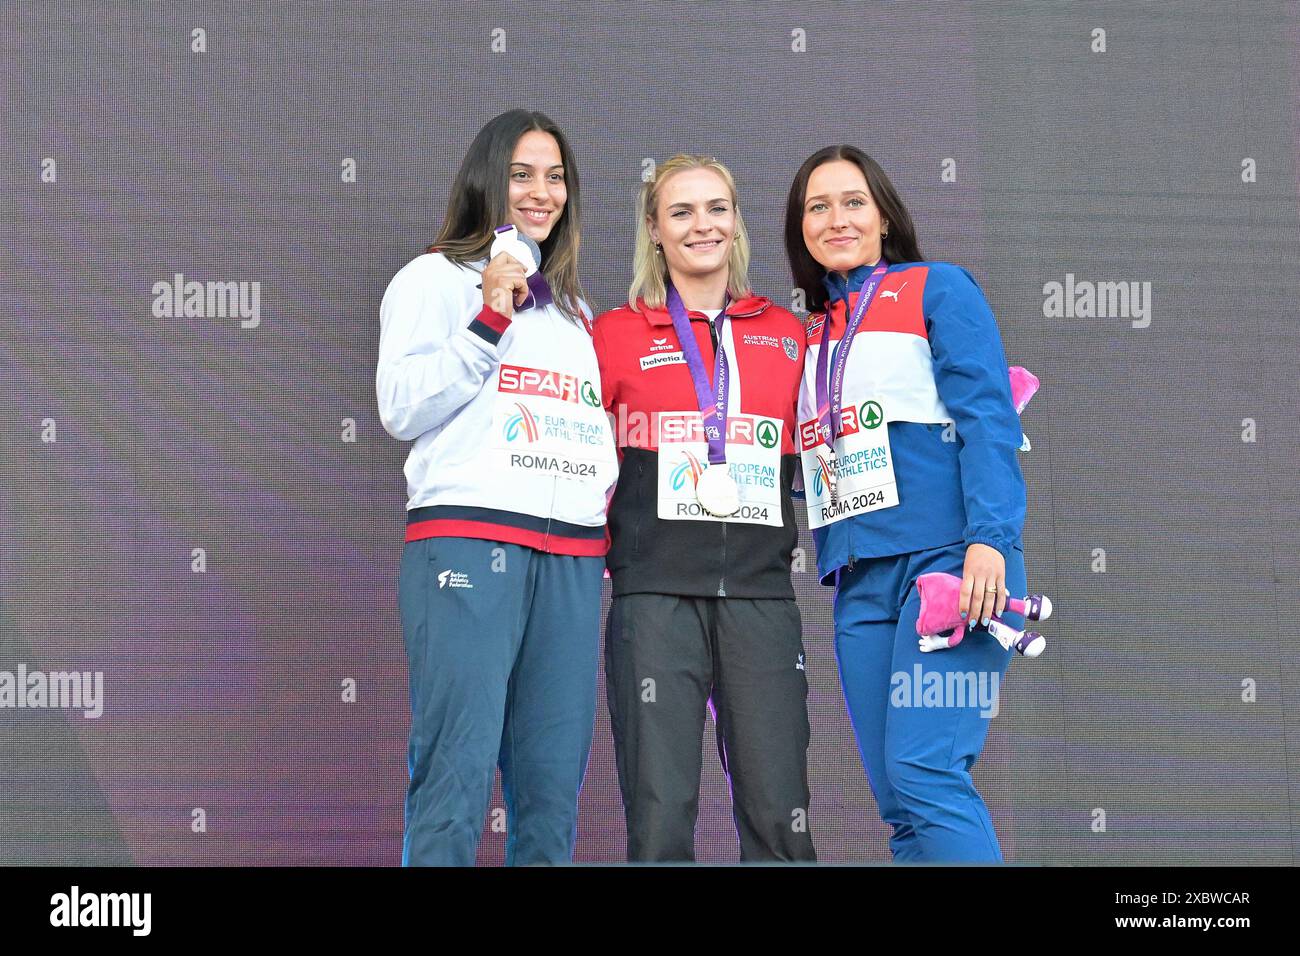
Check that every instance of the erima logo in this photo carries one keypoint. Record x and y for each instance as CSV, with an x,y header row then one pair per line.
x,y
893,295
660,345
453,579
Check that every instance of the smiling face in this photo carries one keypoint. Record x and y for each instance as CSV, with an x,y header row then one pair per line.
x,y
841,222
695,222
537,189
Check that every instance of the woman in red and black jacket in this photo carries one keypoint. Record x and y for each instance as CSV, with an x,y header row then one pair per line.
x,y
701,378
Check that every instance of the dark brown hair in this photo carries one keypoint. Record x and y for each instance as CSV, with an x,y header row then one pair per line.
x,y
480,202
899,246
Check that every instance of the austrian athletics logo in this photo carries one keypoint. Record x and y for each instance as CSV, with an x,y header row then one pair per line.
x,y
821,477
691,466
523,422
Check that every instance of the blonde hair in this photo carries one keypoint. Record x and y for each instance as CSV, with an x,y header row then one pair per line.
x,y
649,270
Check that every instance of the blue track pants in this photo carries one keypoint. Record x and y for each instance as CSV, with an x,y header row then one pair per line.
x,y
920,718
502,645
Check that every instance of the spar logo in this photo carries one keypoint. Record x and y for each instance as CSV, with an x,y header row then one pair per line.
x,y
691,467
821,477
687,426
546,383
767,434
522,424
810,433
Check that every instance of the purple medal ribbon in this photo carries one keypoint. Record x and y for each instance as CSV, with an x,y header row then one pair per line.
x,y
713,403
540,291
830,395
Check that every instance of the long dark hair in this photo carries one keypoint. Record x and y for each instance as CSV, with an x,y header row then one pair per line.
x,y
479,203
899,246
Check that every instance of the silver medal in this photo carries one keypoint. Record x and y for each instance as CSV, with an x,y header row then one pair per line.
x,y
717,493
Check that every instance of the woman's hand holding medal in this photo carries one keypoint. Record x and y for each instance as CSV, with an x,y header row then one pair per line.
x,y
505,284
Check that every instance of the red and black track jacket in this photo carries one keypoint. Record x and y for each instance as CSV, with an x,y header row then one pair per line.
x,y
640,377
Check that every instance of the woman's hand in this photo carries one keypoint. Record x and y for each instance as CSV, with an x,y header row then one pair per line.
x,y
504,284
983,584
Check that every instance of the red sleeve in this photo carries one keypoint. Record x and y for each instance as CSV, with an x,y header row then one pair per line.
x,y
605,363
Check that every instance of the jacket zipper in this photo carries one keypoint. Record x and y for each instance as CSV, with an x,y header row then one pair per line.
x,y
722,575
550,515
636,528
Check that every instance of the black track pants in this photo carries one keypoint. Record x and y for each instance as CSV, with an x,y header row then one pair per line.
x,y
665,656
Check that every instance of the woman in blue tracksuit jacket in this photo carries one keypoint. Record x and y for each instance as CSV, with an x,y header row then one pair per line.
x,y
938,488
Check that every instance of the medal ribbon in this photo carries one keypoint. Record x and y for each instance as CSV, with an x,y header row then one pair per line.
x,y
712,402
830,395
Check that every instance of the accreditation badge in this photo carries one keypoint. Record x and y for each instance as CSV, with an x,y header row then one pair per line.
x,y
551,423
861,468
753,463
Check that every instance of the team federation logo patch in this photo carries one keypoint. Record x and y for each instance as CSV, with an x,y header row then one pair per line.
x,y
791,348
453,579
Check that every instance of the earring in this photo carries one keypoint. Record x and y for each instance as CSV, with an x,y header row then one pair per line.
x,y
885,234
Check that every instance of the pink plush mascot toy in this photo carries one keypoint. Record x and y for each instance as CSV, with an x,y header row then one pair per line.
x,y
939,624
940,599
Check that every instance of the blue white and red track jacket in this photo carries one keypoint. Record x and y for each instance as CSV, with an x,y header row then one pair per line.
x,y
929,350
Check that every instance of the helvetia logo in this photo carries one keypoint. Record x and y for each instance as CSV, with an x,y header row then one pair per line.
x,y
690,466
524,423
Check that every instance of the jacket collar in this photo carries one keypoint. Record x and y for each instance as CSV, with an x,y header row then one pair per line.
x,y
745,308
838,288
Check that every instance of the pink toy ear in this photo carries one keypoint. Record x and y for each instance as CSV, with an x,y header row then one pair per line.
x,y
940,599
1024,384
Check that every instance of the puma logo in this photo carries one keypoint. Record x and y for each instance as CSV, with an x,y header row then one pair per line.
x,y
893,295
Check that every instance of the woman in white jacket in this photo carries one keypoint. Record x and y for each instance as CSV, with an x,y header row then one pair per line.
x,y
491,372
